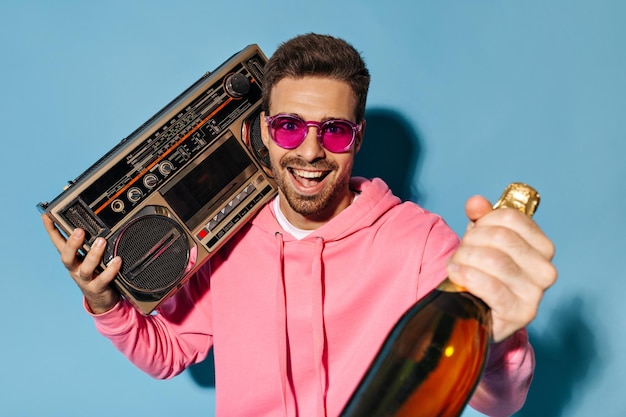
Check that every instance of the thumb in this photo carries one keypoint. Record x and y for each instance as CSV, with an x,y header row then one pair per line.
x,y
476,207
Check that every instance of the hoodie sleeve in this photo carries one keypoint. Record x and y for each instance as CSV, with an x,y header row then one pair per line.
x,y
440,245
163,344
503,388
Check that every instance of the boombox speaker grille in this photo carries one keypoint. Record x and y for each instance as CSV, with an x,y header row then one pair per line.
x,y
154,251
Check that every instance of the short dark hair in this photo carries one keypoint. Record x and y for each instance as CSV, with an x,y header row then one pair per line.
x,y
318,55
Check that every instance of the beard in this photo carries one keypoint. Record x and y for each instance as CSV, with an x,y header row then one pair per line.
x,y
316,205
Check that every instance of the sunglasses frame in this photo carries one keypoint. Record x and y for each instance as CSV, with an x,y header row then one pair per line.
x,y
269,120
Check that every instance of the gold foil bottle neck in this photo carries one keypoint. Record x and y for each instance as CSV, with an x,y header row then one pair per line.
x,y
516,195
519,196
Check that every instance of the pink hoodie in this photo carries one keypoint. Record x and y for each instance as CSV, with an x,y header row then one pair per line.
x,y
295,323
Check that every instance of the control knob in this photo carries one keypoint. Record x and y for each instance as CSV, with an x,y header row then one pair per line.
x,y
237,85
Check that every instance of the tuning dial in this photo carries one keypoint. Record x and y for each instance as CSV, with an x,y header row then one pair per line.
x,y
150,180
237,85
134,194
166,168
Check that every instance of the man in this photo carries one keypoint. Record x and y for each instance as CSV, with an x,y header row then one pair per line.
x,y
297,304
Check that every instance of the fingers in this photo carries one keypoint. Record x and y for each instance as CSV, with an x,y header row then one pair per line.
x,y
509,266
67,248
109,273
507,220
96,288
85,272
479,209
511,247
87,268
511,308
82,270
504,259
55,236
101,296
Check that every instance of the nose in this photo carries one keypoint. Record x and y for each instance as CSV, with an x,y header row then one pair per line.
x,y
311,149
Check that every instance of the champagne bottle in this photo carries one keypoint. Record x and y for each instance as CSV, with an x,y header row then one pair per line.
x,y
434,356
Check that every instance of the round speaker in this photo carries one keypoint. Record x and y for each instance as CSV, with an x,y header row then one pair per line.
x,y
154,251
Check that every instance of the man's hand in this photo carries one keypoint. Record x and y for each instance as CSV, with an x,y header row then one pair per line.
x,y
100,296
505,260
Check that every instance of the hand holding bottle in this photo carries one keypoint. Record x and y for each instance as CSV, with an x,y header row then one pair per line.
x,y
432,359
505,260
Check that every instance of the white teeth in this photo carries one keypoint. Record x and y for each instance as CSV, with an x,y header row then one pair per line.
x,y
308,174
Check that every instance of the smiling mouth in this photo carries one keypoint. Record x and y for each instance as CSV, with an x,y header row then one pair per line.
x,y
308,177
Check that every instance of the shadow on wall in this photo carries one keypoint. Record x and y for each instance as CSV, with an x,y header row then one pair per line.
x,y
566,360
391,151
203,373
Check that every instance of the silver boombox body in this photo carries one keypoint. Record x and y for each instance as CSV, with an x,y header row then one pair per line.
x,y
176,189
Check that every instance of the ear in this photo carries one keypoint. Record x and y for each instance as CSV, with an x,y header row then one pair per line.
x,y
359,137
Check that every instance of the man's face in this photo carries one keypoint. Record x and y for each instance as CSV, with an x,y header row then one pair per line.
x,y
313,181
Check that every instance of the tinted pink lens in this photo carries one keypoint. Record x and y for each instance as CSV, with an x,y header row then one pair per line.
x,y
337,135
288,132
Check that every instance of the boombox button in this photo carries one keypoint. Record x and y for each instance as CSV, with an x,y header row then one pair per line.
x,y
236,85
150,180
134,194
166,168
117,205
212,242
202,234
259,180
214,222
249,189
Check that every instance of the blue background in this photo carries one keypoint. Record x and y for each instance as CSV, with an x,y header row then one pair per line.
x,y
466,96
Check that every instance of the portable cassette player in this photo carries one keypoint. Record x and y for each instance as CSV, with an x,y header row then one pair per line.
x,y
175,190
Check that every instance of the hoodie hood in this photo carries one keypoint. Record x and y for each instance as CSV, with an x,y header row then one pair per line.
x,y
375,199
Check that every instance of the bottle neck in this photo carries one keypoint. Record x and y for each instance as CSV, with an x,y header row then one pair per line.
x,y
448,286
516,195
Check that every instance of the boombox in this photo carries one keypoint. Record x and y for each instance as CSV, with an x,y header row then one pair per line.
x,y
175,190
